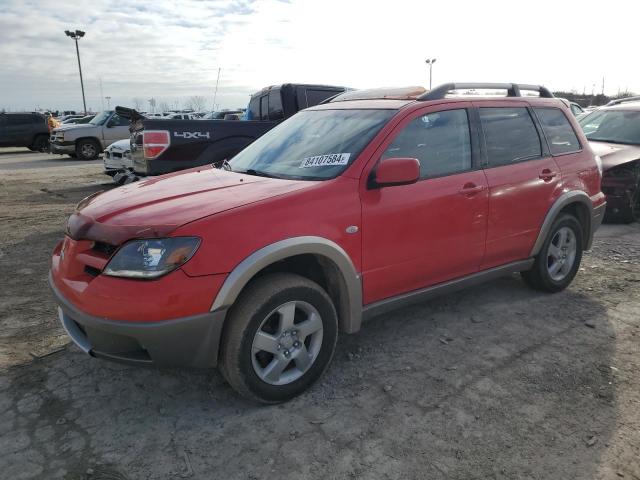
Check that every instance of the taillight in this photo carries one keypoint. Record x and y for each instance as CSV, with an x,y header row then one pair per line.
x,y
154,142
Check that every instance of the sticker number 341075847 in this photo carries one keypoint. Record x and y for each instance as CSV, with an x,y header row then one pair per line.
x,y
326,160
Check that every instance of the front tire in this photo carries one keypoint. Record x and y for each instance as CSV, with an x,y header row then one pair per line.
x,y
559,259
279,338
87,149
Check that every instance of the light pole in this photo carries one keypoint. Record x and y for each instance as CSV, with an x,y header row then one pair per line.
x,y
75,36
430,62
108,102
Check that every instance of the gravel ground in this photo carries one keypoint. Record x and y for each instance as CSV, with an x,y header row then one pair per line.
x,y
494,382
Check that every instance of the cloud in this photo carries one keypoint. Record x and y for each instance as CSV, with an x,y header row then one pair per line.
x,y
172,49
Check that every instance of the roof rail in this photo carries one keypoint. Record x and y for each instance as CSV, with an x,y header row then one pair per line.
x,y
513,89
618,101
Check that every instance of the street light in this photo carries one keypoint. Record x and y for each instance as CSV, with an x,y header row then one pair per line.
x,y
75,36
430,62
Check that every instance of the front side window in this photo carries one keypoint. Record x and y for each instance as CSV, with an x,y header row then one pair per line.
x,y
439,140
576,109
118,121
510,135
613,126
558,130
100,118
312,144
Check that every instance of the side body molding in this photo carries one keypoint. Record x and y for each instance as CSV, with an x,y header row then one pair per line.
x,y
567,198
351,297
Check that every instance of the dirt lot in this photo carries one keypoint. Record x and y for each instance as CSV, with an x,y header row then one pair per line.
x,y
496,381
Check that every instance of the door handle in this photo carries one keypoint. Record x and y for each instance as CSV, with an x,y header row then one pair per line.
x,y
547,175
470,189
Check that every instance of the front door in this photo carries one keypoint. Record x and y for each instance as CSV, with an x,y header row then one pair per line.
x,y
116,128
434,230
523,178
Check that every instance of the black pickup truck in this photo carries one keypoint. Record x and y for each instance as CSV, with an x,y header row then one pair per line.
x,y
161,146
28,129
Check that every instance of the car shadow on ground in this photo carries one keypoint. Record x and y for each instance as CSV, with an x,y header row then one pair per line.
x,y
496,381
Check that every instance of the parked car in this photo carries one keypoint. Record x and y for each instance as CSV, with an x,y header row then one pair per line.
x,y
117,158
575,108
614,134
24,129
220,114
180,116
344,211
162,146
86,141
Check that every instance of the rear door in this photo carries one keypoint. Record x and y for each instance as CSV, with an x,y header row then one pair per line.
x,y
434,230
19,130
523,179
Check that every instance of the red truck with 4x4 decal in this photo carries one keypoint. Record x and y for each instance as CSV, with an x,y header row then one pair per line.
x,y
346,210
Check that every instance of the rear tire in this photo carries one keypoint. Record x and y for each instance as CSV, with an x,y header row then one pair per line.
x,y
41,144
87,149
559,259
279,338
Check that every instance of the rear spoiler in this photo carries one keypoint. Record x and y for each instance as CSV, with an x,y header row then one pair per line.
x,y
129,113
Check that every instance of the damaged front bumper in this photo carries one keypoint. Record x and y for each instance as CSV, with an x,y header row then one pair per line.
x,y
184,342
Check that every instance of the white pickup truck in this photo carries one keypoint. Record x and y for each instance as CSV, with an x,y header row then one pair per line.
x,y
86,141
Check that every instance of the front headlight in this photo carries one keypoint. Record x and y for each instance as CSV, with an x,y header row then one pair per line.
x,y
151,258
60,136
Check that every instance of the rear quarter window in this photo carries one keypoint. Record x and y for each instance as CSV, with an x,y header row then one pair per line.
x,y
510,135
559,132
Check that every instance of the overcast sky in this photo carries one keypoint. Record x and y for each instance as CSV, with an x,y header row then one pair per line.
x,y
172,50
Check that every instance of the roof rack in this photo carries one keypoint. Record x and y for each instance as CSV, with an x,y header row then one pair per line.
x,y
623,100
513,89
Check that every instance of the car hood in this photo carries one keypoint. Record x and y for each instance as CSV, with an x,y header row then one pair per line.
x,y
123,145
157,206
614,154
69,126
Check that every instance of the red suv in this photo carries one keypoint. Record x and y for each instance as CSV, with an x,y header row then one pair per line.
x,y
365,203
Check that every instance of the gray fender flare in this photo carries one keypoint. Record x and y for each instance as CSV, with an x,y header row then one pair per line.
x,y
567,198
250,266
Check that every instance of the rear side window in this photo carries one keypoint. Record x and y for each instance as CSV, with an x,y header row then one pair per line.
x,y
558,130
439,140
510,135
253,112
276,111
264,114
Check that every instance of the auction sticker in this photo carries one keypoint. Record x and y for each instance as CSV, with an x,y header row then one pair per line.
x,y
326,160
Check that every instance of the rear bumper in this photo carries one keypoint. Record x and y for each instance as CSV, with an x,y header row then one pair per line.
x,y
184,342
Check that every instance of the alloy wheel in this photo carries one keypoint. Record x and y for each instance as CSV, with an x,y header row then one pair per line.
x,y
287,343
561,254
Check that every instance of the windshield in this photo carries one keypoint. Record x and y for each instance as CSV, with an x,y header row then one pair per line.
x,y
312,145
100,118
614,126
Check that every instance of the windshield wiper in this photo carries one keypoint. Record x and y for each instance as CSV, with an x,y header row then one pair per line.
x,y
258,173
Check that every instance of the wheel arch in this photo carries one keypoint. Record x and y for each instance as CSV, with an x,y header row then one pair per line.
x,y
577,203
316,258
95,139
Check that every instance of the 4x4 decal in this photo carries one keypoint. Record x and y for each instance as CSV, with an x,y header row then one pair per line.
x,y
191,134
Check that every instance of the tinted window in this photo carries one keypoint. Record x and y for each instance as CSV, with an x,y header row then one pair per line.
x,y
314,97
510,135
19,119
440,140
558,130
275,105
253,111
264,115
